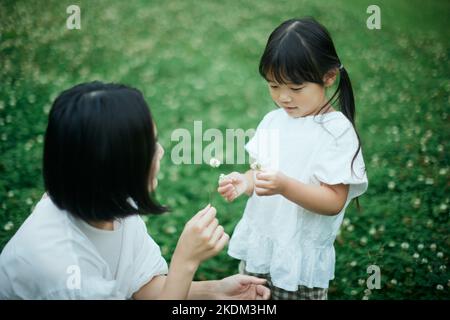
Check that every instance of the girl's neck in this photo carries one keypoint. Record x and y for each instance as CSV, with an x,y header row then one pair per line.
x,y
103,225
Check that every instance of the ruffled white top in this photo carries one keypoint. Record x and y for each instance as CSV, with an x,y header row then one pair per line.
x,y
279,237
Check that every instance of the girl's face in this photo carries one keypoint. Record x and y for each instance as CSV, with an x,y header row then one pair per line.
x,y
156,163
300,100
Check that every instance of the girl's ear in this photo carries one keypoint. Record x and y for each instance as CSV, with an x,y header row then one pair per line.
x,y
330,77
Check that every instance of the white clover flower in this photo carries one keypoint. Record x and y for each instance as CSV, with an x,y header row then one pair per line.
x,y
429,181
353,292
440,255
170,229
29,201
416,255
10,194
433,247
443,171
361,282
346,222
443,207
404,245
420,246
222,177
424,260
381,228
8,226
394,282
443,268
255,166
372,231
416,202
391,244
365,298
363,240
353,263
440,287
350,228
214,162
409,163
391,185
367,292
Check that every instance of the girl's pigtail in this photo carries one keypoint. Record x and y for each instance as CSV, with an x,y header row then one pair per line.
x,y
347,106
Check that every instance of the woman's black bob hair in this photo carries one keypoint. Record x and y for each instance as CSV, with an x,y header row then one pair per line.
x,y
99,150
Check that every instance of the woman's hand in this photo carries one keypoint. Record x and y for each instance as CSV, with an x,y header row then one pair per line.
x,y
201,239
233,185
268,183
243,287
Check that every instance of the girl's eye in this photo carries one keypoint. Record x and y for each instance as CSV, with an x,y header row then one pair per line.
x,y
274,87
297,89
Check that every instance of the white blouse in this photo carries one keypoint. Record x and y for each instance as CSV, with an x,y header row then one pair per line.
x,y
279,237
49,257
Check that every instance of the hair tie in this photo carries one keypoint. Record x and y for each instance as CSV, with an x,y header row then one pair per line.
x,y
341,67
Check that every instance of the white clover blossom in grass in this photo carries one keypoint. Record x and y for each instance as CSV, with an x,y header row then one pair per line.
x,y
404,245
394,282
433,247
8,226
440,255
416,255
420,246
440,287
214,162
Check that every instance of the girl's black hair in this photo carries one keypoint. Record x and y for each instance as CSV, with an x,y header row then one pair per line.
x,y
301,50
99,149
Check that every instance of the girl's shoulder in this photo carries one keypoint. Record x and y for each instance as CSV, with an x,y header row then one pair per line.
x,y
336,124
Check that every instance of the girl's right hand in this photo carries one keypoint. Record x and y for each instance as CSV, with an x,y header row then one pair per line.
x,y
232,186
201,238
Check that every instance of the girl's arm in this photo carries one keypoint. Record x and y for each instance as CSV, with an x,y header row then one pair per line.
x,y
324,199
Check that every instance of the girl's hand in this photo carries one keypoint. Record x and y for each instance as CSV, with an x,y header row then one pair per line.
x,y
232,186
268,183
201,238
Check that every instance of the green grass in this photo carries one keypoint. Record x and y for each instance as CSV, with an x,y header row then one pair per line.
x,y
198,61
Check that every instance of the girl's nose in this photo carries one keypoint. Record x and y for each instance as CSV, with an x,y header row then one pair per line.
x,y
285,97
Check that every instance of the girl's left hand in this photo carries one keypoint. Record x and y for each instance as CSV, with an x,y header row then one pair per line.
x,y
268,183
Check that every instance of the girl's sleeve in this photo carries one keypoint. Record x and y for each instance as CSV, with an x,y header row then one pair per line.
x,y
260,145
334,165
148,260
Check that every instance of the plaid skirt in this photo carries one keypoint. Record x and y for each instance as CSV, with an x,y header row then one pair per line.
x,y
303,293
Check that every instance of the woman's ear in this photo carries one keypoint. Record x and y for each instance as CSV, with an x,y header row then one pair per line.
x,y
330,77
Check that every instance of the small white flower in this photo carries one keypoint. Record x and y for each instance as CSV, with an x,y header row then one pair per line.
x,y
353,292
8,226
440,287
372,231
443,171
346,222
429,181
353,264
222,177
361,282
215,163
350,228
10,194
363,240
391,244
443,207
255,166
416,203
170,229
29,201
416,255
394,282
433,247
420,246
443,268
391,185
404,245
424,260
367,292
440,255
365,298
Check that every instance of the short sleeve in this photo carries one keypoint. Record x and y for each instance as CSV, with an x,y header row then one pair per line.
x,y
334,163
148,260
262,145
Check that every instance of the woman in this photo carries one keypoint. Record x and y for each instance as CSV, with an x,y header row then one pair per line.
x,y
86,240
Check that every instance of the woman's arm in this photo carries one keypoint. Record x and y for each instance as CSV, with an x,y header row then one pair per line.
x,y
324,199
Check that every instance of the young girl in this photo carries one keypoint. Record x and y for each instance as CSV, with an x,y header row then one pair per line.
x,y
311,166
85,238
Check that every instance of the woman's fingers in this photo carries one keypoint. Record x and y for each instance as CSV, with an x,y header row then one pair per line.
x,y
221,242
209,231
207,218
218,233
201,213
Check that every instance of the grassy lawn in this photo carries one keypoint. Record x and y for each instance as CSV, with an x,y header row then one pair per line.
x,y
197,60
